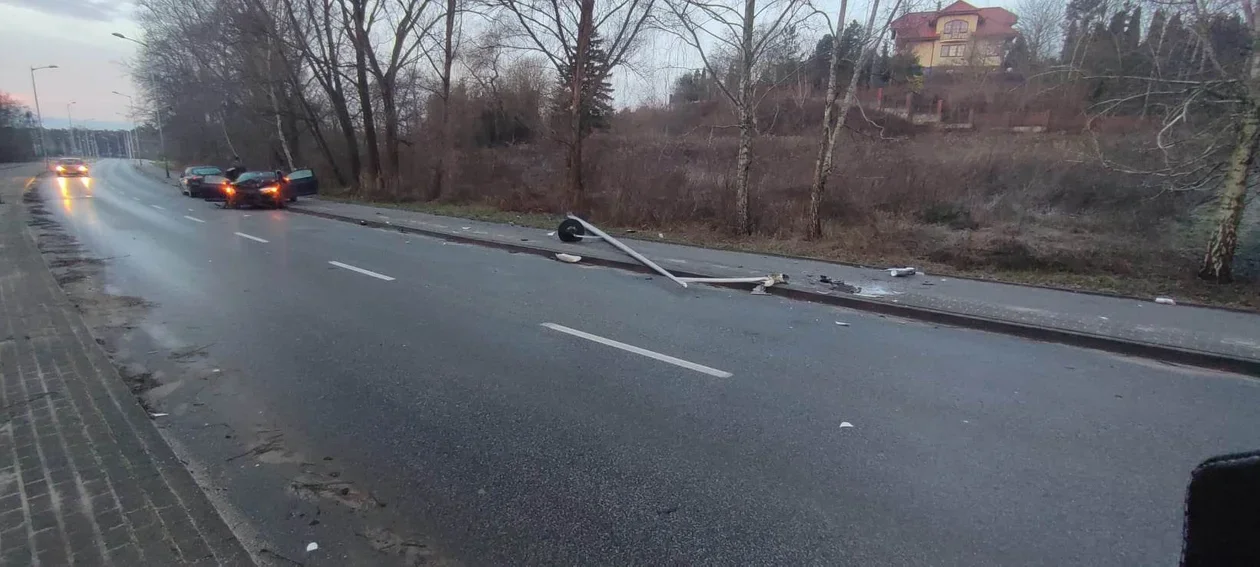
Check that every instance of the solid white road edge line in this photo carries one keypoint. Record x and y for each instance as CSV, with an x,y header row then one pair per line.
x,y
194,219
363,271
640,351
255,238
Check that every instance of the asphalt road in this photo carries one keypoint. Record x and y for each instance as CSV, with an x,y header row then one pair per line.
x,y
470,387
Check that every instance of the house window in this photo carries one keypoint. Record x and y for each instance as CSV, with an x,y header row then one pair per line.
x,y
955,29
953,50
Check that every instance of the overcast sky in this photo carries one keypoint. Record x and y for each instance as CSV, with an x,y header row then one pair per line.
x,y
74,35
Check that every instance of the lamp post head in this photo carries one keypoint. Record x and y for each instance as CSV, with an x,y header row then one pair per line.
x,y
118,35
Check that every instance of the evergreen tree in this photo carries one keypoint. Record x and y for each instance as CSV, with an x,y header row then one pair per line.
x,y
597,90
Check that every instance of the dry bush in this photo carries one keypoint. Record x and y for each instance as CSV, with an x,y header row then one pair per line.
x,y
974,200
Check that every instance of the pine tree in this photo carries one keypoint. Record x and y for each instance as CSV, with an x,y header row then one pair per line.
x,y
597,90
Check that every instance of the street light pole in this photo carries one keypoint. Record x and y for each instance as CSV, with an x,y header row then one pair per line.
x,y
74,146
157,108
43,148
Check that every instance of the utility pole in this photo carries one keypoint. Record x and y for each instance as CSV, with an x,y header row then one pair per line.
x,y
43,148
74,145
157,107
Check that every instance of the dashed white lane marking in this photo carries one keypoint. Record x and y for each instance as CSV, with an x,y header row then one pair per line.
x,y
194,219
254,238
158,207
135,198
640,351
363,271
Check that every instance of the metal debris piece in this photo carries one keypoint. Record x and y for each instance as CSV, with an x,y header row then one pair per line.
x,y
1165,301
845,425
760,290
568,258
842,324
312,546
901,272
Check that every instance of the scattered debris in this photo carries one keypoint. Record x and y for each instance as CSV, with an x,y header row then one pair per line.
x,y
901,272
842,324
568,258
1165,301
552,233
312,546
845,424
824,279
362,222
760,290
660,235
465,228
159,414
928,282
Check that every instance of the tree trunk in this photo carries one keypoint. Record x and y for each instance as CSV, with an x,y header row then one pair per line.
x,y
371,177
577,193
827,143
392,161
1219,258
743,160
275,107
445,148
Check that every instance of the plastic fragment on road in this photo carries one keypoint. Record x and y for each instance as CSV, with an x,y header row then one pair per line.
x,y
760,290
901,272
842,323
845,425
1165,301
568,258
159,414
312,546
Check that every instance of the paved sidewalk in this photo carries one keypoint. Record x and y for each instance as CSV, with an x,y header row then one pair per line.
x,y
85,477
1196,335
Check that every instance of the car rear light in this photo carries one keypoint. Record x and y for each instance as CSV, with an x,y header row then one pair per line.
x,y
229,190
195,178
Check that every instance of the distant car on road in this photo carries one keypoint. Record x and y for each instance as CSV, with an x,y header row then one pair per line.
x,y
71,167
198,181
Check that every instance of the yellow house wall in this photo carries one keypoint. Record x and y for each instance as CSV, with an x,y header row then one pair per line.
x,y
929,52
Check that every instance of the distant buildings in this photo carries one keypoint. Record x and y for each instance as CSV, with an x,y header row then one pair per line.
x,y
959,35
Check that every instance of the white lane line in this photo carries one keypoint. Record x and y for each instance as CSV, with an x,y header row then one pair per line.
x,y
135,198
640,351
194,219
158,207
254,238
363,271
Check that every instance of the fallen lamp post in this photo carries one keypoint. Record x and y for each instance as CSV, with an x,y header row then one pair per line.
x,y
575,229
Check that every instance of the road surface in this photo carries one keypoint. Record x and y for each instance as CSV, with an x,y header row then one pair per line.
x,y
517,410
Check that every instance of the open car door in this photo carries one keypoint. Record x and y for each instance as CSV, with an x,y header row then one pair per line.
x,y
302,182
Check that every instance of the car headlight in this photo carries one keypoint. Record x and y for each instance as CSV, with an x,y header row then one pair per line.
x,y
271,189
61,168
82,168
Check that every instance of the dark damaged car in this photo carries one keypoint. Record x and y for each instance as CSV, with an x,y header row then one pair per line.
x,y
267,188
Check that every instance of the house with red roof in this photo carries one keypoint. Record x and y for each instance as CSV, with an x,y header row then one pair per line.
x,y
958,35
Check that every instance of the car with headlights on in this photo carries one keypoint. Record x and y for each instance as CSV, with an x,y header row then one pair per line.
x,y
257,188
71,167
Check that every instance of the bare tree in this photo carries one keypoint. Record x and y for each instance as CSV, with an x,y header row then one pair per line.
x,y
833,118
1041,25
747,30
555,29
449,46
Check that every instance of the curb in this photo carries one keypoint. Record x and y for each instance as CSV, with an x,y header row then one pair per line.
x,y
1164,353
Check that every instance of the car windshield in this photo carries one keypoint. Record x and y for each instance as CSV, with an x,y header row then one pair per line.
x,y
252,175
207,171
71,161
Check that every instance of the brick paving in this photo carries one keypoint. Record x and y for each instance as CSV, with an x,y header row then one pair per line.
x,y
85,477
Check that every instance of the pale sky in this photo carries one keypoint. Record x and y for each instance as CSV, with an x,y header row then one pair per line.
x,y
74,35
